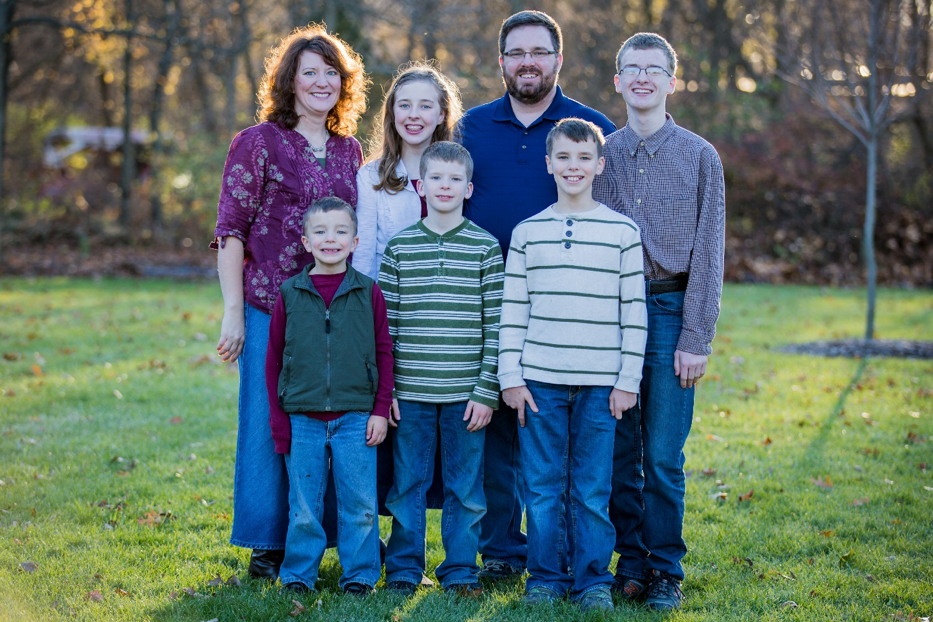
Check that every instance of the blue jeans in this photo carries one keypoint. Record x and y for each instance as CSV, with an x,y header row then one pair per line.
x,y
501,535
648,465
260,482
415,442
317,448
565,448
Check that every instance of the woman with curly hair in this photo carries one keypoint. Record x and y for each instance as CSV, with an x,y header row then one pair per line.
x,y
312,96
421,107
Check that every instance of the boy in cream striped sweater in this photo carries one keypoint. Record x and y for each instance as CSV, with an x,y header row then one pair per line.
x,y
571,347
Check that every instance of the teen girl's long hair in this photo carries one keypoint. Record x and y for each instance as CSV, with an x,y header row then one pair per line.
x,y
386,144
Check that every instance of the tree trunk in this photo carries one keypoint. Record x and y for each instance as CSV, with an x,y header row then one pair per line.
x,y
868,240
6,17
155,114
128,170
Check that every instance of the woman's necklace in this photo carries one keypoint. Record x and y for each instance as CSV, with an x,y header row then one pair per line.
x,y
318,149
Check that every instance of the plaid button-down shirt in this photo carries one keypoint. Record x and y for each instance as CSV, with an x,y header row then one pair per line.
x,y
671,185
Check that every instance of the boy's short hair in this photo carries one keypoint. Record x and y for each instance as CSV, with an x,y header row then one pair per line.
x,y
329,204
446,151
648,41
531,18
577,130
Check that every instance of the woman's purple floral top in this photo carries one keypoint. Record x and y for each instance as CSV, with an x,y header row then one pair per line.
x,y
270,179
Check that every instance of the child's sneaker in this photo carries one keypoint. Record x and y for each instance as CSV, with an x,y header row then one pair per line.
x,y
357,589
664,592
628,588
598,598
295,588
496,569
402,588
465,590
540,595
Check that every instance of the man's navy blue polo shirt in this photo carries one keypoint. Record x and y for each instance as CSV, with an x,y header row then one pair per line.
x,y
510,178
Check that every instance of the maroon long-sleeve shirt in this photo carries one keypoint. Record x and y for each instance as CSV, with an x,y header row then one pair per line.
x,y
326,285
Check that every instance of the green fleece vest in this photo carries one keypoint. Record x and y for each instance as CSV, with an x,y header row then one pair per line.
x,y
329,363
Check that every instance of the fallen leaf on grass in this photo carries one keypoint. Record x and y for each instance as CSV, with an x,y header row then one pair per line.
x,y
121,592
98,576
175,420
828,533
28,566
822,483
12,356
860,502
747,560
845,560
868,420
208,470
767,441
707,472
153,518
719,496
789,604
713,437
747,495
915,439
36,370
216,581
870,578
888,482
298,610
233,581
94,596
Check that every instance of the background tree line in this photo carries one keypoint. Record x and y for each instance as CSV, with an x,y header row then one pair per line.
x,y
186,72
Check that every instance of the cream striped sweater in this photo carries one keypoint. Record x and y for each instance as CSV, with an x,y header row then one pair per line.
x,y
573,309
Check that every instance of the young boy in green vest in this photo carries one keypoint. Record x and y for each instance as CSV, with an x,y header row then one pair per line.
x,y
442,279
329,378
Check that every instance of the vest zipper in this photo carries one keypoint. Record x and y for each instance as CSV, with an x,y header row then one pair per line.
x,y
327,340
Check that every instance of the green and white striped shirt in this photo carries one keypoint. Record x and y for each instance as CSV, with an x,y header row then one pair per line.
x,y
443,296
573,311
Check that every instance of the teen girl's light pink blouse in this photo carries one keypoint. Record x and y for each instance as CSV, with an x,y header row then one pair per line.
x,y
270,179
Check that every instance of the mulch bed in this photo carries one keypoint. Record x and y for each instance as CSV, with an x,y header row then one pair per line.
x,y
860,348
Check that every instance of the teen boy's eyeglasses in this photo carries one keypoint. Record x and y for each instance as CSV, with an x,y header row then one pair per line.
x,y
519,55
652,71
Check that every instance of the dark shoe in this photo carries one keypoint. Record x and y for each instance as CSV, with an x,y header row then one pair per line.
x,y
265,564
295,588
496,569
357,589
664,592
596,599
402,588
465,590
628,588
540,595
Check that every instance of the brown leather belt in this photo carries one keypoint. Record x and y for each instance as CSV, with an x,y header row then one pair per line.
x,y
664,286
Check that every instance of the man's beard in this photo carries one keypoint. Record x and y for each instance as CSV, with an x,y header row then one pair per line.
x,y
529,94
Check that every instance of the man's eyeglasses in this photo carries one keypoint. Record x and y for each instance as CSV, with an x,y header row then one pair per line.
x,y
652,71
535,55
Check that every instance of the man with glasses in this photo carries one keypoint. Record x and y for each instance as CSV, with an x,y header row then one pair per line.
x,y
506,138
670,182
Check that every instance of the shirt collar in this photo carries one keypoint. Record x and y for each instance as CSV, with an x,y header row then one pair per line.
x,y
653,142
555,112
402,173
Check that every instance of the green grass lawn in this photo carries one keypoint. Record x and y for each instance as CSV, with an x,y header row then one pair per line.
x,y
118,428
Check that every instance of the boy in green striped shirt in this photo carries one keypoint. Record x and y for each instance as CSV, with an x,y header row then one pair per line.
x,y
442,281
571,348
